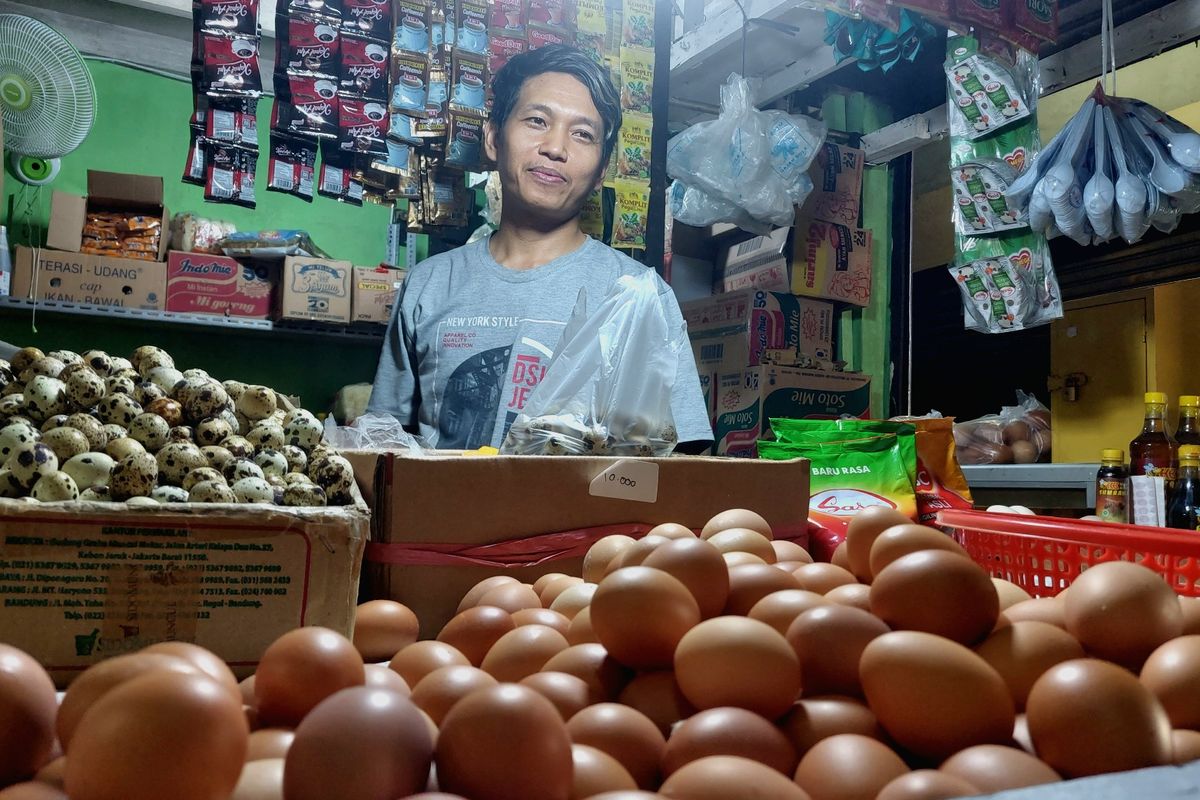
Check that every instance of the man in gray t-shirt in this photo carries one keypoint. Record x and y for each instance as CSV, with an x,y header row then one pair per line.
x,y
474,329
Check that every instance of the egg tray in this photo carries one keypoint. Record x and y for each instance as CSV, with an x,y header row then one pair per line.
x,y
1044,555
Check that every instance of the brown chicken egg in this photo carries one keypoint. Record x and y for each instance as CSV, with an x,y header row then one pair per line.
x,y
625,734
750,583
1121,612
421,658
736,518
32,790
744,540
897,542
574,599
1023,651
302,668
725,777
672,530
511,597
163,734
504,742
474,631
813,719
786,550
855,595
1190,606
1009,593
937,592
568,693
522,651
580,630
596,561
738,558
1172,673
728,732
596,771
54,773
542,616
204,660
1040,609
714,658
636,553
546,579
438,691
780,609
861,533
383,628
471,598
28,704
841,557
996,768
260,780
639,614
1185,746
658,696
829,641
622,795
697,565
934,696
822,578
1088,717
269,743
551,591
926,784
848,767
590,662
378,676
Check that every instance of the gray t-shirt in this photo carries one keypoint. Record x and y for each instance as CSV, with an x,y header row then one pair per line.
x,y
469,340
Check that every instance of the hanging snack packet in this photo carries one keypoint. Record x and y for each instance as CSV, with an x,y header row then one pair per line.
x,y
508,17
372,18
193,171
551,13
590,17
501,48
226,16
364,68
471,32
979,188
326,8
468,82
400,128
306,106
412,27
940,483
291,166
432,125
229,174
984,94
399,159
362,127
631,214
464,136
410,83
307,44
591,219
230,120
637,80
226,65
539,36
337,180
637,29
633,147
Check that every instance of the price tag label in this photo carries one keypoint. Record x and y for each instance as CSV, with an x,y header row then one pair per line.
x,y
628,480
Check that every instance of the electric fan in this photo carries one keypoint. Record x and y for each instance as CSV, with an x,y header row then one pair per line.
x,y
47,99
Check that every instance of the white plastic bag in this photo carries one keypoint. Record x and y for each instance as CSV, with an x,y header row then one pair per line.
x,y
607,389
372,431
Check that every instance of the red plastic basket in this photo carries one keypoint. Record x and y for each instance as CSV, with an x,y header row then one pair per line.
x,y
1043,555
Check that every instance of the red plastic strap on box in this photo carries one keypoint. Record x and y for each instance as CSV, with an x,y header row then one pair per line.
x,y
528,552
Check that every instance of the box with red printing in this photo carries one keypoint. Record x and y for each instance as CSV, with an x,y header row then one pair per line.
x,y
199,283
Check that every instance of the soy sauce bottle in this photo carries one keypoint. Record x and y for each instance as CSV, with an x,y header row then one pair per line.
x,y
1153,452
1188,430
1184,509
1112,487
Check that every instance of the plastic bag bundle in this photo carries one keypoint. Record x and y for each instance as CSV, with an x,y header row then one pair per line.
x,y
607,389
373,431
747,166
1019,434
1119,167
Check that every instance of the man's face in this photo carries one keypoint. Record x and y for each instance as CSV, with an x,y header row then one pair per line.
x,y
549,151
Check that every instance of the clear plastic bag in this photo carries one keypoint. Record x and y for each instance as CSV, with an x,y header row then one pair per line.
x,y
694,207
607,389
754,161
1018,434
372,431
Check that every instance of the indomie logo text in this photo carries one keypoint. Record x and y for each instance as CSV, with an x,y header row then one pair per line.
x,y
205,268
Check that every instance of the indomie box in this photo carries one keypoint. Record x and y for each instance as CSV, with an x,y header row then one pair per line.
x,y
201,283
315,289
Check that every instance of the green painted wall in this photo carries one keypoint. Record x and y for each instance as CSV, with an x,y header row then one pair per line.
x,y
141,127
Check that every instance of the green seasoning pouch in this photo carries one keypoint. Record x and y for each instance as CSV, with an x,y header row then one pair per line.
x,y
850,476
807,430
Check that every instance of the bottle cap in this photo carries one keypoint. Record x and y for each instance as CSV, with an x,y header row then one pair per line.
x,y
1189,452
1112,455
1157,398
1189,401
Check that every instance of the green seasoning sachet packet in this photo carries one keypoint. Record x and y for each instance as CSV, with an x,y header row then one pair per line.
x,y
800,430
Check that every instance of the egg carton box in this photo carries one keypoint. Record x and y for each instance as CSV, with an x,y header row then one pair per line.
x,y
84,581
530,515
1156,782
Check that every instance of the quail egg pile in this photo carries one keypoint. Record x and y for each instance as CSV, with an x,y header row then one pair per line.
x,y
98,427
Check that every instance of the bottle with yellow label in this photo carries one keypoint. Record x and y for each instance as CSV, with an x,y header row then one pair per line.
x,y
1188,430
1184,508
1153,452
1112,487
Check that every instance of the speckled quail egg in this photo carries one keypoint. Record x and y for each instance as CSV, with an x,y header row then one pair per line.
x,y
100,494
218,457
211,492
169,494
234,389
239,446
297,459
196,372
99,361
147,357
202,399
85,388
45,397
24,420
320,451
141,502
165,378
12,405
114,431
265,435
91,428
147,392
334,474
135,475
253,490
121,364
182,433
123,447
23,358
272,462
14,435
71,369
10,488
296,477
303,430
30,462
244,423
276,481
170,410
66,356
89,469
303,494
50,367
56,487
243,468
201,474
118,409
65,442
120,384
177,459
151,430
256,402
229,417
213,431
16,387
57,421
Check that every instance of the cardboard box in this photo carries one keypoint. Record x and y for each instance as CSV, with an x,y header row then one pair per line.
x,y
107,191
734,330
832,261
201,283
90,279
428,546
758,263
375,293
837,174
748,399
315,290
86,581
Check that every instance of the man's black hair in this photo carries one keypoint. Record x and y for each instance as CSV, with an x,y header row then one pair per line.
x,y
572,61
